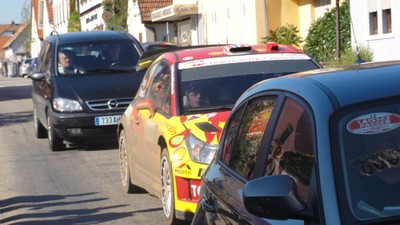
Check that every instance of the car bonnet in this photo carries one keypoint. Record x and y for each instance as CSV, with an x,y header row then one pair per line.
x,y
97,87
206,127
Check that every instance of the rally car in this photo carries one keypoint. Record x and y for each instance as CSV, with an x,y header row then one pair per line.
x,y
170,131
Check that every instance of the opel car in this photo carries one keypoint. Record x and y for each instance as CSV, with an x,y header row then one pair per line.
x,y
83,106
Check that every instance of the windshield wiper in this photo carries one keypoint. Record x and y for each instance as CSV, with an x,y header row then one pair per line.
x,y
110,69
212,108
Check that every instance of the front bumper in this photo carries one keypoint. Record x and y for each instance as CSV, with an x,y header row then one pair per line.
x,y
85,122
187,185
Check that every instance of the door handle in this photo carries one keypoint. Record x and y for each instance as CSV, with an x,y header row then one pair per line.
x,y
207,206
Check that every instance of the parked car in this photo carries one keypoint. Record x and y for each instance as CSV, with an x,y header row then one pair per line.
x,y
79,92
24,66
31,68
157,45
318,147
170,132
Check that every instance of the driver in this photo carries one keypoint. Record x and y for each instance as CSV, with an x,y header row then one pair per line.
x,y
195,96
113,53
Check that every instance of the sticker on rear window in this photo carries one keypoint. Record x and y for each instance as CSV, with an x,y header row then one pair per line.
x,y
374,123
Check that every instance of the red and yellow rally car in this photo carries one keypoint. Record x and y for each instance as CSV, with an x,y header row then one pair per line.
x,y
170,131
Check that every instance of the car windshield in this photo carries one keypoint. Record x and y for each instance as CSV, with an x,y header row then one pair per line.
x,y
218,87
97,57
368,139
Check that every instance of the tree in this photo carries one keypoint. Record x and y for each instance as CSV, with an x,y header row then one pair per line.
x,y
321,38
118,11
74,22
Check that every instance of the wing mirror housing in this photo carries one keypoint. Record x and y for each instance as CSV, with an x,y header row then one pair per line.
x,y
146,104
275,197
38,76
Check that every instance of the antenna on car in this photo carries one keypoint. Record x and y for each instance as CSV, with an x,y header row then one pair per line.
x,y
359,59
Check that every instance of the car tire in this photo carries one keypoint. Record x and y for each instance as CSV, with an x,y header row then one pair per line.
x,y
55,142
40,130
124,165
167,188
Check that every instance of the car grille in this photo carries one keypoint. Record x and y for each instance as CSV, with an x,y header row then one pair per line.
x,y
104,130
109,104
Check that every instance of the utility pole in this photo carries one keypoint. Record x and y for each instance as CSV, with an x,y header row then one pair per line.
x,y
337,31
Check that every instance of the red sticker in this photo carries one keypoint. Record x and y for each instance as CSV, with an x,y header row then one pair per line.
x,y
374,123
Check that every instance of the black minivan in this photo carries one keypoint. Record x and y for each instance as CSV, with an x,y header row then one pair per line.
x,y
84,105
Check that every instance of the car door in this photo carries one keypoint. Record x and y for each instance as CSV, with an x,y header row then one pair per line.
x,y
157,96
222,199
42,89
271,135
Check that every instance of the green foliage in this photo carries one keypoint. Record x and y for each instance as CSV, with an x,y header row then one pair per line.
x,y
321,39
284,35
349,57
74,23
118,10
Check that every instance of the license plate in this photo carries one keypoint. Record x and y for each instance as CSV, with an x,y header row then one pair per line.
x,y
106,120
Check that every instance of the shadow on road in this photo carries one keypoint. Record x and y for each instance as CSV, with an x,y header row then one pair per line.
x,y
7,119
48,213
15,93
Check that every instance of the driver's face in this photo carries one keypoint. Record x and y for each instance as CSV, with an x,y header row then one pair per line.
x,y
113,50
195,98
65,60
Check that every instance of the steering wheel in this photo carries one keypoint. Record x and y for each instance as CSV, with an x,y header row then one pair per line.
x,y
119,63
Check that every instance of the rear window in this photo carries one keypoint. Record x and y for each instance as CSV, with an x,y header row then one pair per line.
x,y
222,84
368,139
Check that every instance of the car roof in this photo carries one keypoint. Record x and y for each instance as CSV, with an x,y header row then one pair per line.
x,y
225,50
190,53
343,86
73,37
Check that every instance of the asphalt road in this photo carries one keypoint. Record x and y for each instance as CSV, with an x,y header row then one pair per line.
x,y
78,186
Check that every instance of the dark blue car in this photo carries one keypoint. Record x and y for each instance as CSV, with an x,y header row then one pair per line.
x,y
318,147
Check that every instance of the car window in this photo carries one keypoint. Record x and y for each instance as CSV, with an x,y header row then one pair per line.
x,y
241,155
219,86
292,147
160,88
369,157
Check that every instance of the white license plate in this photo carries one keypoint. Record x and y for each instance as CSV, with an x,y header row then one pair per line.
x,y
106,120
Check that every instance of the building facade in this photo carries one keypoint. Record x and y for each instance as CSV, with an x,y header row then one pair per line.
x,y
375,25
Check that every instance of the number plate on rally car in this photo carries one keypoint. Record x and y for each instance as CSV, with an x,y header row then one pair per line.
x,y
106,120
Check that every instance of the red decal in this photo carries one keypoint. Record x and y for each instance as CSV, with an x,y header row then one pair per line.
x,y
374,123
215,120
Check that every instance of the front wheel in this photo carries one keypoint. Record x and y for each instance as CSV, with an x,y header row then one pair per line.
x,y
124,165
40,130
167,188
55,142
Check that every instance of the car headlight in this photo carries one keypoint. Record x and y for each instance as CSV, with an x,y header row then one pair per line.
x,y
199,151
66,105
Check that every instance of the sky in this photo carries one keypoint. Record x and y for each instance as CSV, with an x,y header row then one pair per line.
x,y
11,10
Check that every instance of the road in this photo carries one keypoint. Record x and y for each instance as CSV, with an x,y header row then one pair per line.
x,y
77,186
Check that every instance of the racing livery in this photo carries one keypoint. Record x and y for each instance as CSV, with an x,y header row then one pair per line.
x,y
170,131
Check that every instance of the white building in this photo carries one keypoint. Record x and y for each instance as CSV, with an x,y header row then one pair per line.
x,y
91,15
376,26
61,12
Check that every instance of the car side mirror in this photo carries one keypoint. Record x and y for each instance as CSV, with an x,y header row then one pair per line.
x,y
38,76
274,197
146,104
